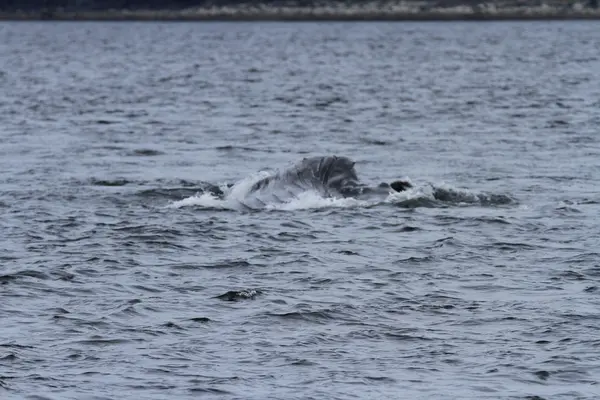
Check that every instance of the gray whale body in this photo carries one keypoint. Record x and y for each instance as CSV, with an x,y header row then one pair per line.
x,y
334,176
329,176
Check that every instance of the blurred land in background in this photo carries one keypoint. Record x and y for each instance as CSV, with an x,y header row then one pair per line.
x,y
297,9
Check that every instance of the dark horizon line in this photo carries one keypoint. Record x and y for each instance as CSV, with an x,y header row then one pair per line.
x,y
299,15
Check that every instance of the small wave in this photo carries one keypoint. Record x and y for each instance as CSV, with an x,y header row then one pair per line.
x,y
209,390
565,207
242,149
508,246
223,264
405,337
109,182
172,325
375,142
145,152
27,273
310,316
201,319
101,341
234,295
9,357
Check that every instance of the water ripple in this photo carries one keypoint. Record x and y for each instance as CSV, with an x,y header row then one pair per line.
x,y
126,272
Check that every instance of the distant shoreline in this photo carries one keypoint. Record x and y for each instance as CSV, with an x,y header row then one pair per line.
x,y
334,13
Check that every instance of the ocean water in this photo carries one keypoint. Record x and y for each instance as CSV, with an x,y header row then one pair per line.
x,y
122,277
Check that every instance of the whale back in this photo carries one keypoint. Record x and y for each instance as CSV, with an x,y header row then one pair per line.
x,y
328,176
331,171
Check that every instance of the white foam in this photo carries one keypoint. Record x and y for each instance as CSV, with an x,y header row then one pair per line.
x,y
416,192
235,197
205,200
312,200
241,188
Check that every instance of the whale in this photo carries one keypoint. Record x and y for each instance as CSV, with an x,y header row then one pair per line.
x,y
333,176
328,176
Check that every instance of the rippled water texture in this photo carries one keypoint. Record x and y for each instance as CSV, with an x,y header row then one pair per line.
x,y
123,278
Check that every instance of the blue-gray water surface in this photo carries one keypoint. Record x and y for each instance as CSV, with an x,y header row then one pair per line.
x,y
122,277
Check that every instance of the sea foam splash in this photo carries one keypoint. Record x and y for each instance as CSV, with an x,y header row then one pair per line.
x,y
304,201
313,200
204,200
427,195
233,195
